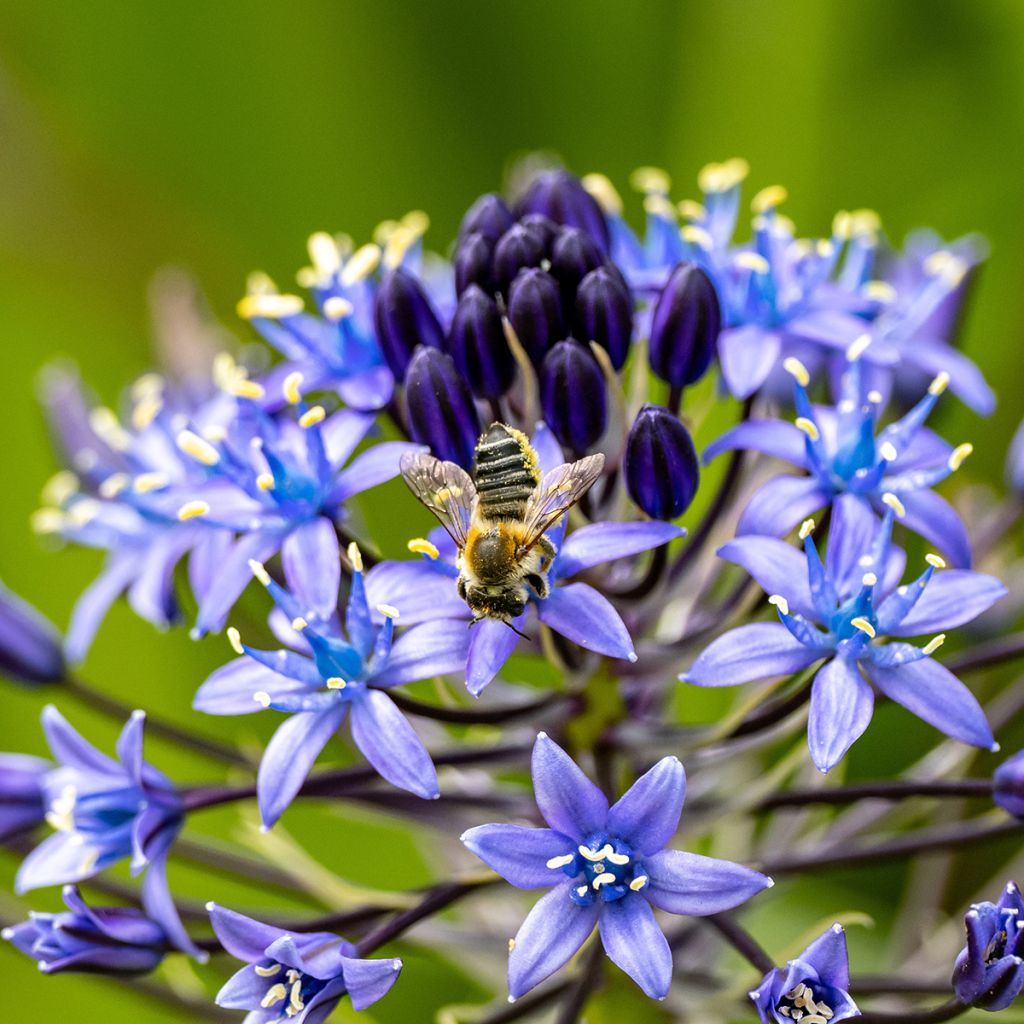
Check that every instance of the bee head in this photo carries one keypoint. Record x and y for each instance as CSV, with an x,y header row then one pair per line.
x,y
507,605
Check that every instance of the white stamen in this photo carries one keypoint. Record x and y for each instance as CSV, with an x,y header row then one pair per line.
x,y
355,556
619,859
697,236
768,198
114,484
262,698
268,307
935,560
603,879
267,972
336,308
650,179
299,623
315,414
723,177
780,602
864,626
752,261
934,644
796,370
895,504
604,192
806,528
259,571
595,856
146,482
888,451
869,579
235,639
858,347
265,481
336,683
560,862
638,883
274,995
193,510
362,263
807,426
690,209
956,459
290,388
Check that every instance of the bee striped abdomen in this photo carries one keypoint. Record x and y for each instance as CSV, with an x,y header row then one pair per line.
x,y
506,472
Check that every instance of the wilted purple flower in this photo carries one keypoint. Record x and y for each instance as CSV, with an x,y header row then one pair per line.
x,y
103,811
440,408
1008,785
104,940
22,796
476,341
660,465
685,326
535,312
30,646
404,319
812,988
425,590
560,197
299,977
604,313
572,394
989,972
606,867
325,675
842,454
855,598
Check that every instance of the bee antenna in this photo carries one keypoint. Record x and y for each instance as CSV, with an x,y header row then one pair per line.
x,y
518,632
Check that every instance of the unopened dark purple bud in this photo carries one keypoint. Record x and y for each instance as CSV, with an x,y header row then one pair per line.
x,y
661,467
488,216
560,196
519,247
439,407
1008,785
574,254
473,263
476,341
404,318
604,313
535,311
685,326
30,646
542,228
572,393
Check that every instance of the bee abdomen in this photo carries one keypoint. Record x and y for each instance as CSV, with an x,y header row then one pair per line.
x,y
506,472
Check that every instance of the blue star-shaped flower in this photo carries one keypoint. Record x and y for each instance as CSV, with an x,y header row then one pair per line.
x,y
838,611
606,867
327,674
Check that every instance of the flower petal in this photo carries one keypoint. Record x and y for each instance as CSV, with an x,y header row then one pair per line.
x,y
420,591
778,567
429,649
375,466
490,644
68,747
312,565
233,577
391,745
938,522
747,355
552,932
588,618
647,814
827,954
568,801
634,942
231,689
772,437
950,599
841,706
368,980
934,694
756,651
160,906
852,533
243,937
519,854
341,433
687,883
242,991
290,755
604,542
780,505
129,746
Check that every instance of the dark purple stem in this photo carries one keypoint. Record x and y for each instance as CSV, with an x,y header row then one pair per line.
x,y
895,790
947,1011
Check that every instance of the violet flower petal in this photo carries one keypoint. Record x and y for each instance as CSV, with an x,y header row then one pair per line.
x,y
312,565
568,801
756,651
634,942
588,618
841,707
647,815
687,883
368,980
429,649
519,854
780,505
950,599
604,542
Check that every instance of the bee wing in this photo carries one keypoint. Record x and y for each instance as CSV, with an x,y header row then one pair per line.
x,y
445,488
558,491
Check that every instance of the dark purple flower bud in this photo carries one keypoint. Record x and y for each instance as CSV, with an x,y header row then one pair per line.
x,y
535,311
30,646
404,318
439,407
1008,785
488,216
476,341
604,313
560,196
572,394
519,247
661,467
685,326
989,972
22,801
573,255
473,260
542,228
105,940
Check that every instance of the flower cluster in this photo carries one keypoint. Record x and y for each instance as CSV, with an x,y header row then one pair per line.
x,y
545,393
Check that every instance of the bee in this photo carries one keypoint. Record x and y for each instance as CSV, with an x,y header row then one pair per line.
x,y
499,515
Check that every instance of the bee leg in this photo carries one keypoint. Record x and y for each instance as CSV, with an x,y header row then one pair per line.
x,y
539,584
460,587
547,552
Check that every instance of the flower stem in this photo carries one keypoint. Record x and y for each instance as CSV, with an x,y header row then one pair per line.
x,y
947,1011
742,941
113,708
578,994
466,716
896,790
995,652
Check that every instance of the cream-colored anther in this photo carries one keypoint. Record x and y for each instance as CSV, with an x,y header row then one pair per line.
x,y
880,291
807,426
607,196
193,510
724,176
361,264
935,560
312,416
235,639
768,198
114,484
265,481
638,883
242,387
895,504
698,236
659,206
934,644
336,683
650,179
146,482
841,225
262,698
355,556
47,520
869,579
389,611
275,994
863,625
259,571
603,879
796,370
594,856
422,546
959,453
888,451
858,347
875,397
291,388
779,602
752,261
324,255
560,862
267,306
619,859
336,308
511,944
939,384
267,972
61,486
198,448
690,209
806,528
299,624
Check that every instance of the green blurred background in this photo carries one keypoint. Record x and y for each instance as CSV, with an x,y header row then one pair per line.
x,y
217,136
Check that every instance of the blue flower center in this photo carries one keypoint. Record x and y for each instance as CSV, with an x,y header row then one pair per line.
x,y
604,868
805,1003
288,990
1008,925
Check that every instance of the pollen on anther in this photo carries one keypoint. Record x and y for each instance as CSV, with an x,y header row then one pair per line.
x,y
959,453
268,306
560,862
146,482
312,416
779,602
875,397
895,504
934,644
808,427
638,883
336,308
796,370
422,546
698,236
939,384
193,510
242,387
265,481
806,528
389,611
299,623
235,639
888,451
511,944
869,579
858,347
863,625
768,198
290,388
599,186
197,448
259,571
355,556
360,265
752,261
935,560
